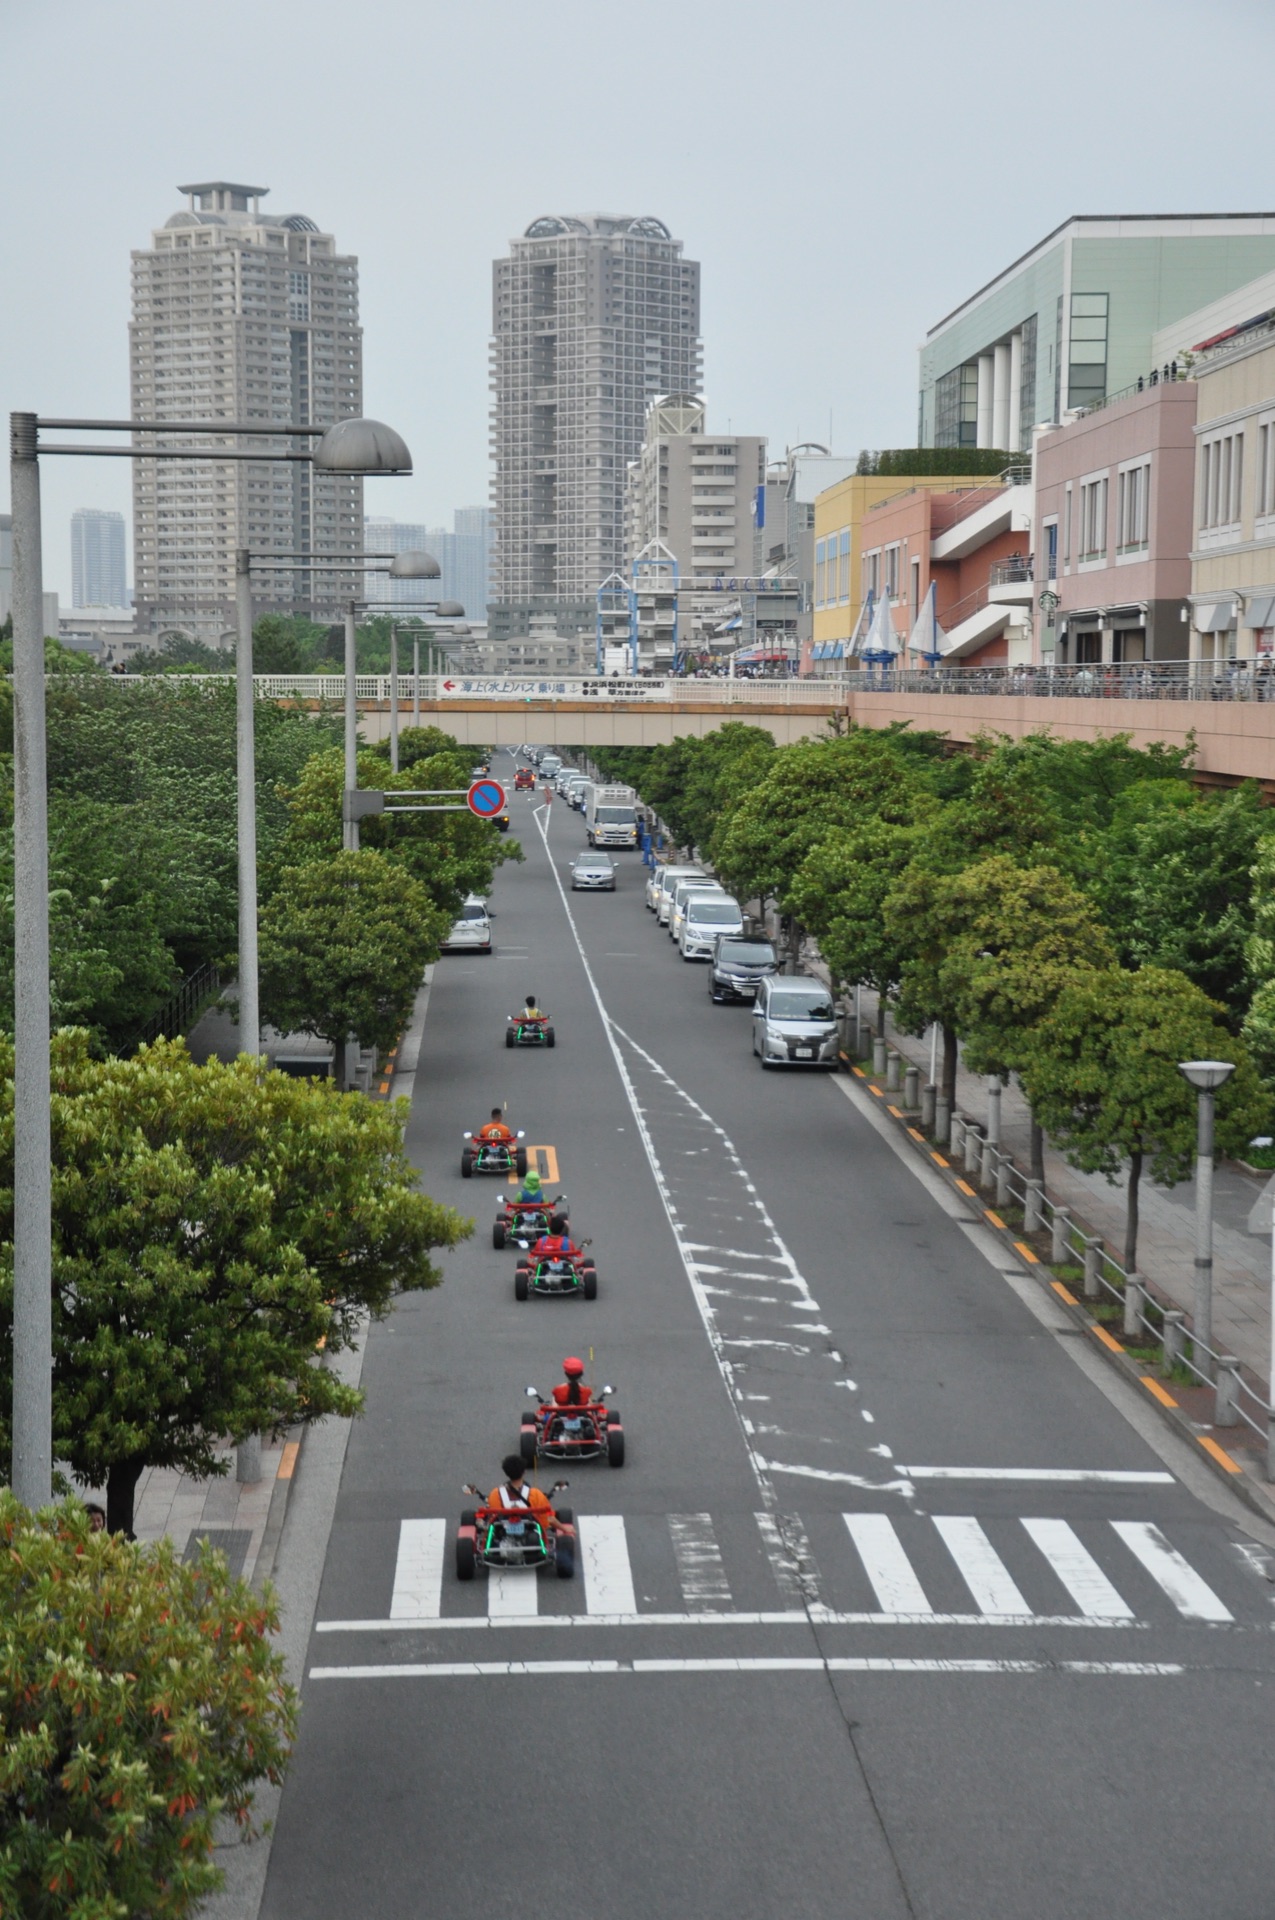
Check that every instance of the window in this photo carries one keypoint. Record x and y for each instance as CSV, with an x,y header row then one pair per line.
x,y
1093,520
1265,500
1051,550
871,572
1087,369
1132,500
844,542
1221,481
916,589
821,549
1067,530
892,572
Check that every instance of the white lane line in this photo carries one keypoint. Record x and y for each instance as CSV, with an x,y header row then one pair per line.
x,y
789,1617
548,1669
979,1565
1110,1476
418,1571
789,1552
885,1563
700,1568
842,1479
1192,1596
512,1593
608,1573
1077,1569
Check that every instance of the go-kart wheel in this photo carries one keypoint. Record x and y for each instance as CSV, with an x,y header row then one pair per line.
x,y
466,1165
566,1515
498,1235
469,1518
520,1162
590,1283
522,1281
615,1443
549,1036
509,1036
527,1442
466,1558
564,1559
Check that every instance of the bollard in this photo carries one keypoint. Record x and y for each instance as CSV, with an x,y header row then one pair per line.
x,y
1132,1307
1270,1448
248,1460
1033,1211
956,1133
1093,1257
987,1167
893,1074
1173,1337
1226,1392
1004,1167
973,1148
927,1110
878,1056
911,1088
1059,1250
942,1120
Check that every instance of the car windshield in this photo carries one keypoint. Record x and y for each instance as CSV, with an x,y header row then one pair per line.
x,y
589,865
717,913
800,1003
616,816
748,953
473,910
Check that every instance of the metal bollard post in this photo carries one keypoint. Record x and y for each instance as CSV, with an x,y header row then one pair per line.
x,y
973,1148
1059,1250
942,1120
927,1111
1173,1336
893,1071
956,1134
878,1055
1032,1209
1226,1392
1093,1257
1132,1307
911,1088
1004,1167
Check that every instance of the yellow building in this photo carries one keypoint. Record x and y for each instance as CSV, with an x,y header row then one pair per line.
x,y
838,596
1233,561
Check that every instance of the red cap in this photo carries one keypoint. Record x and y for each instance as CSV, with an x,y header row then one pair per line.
x,y
573,1368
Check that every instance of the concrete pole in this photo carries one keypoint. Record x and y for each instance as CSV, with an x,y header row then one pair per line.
x,y
351,832
1203,1306
1015,391
416,680
993,1110
1270,1431
246,805
984,427
1000,394
32,1468
394,699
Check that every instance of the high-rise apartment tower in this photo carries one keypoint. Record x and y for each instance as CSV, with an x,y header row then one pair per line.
x,y
593,315
241,315
97,559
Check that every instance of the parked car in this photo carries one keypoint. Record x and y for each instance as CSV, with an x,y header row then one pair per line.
x,y
682,893
740,964
593,870
660,877
794,1023
471,933
707,915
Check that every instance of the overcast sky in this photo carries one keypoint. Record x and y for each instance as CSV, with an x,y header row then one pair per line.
x,y
846,172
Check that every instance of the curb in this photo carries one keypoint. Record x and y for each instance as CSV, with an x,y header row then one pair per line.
x,y
1154,1393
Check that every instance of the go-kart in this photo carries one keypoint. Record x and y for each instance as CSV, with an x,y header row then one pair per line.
x,y
524,1032
555,1275
492,1156
525,1220
555,1432
512,1537
525,778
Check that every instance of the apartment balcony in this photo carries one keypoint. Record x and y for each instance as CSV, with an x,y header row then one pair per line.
x,y
545,396
1010,583
544,536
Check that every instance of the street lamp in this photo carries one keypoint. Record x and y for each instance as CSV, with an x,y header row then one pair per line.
x,y
349,447
1206,1076
445,610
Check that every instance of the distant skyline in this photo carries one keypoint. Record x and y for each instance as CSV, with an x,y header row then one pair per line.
x,y
846,177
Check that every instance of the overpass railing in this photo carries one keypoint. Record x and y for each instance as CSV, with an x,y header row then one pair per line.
x,y
1134,680
436,690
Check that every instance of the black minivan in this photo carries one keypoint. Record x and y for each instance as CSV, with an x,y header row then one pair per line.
x,y
740,962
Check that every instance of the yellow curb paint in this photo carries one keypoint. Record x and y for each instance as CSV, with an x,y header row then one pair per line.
x,y
896,1111
1100,1333
938,1158
1032,1259
876,1090
288,1460
858,1073
1063,1293
1157,1392
385,1086
995,1219
965,1187
916,1135
1220,1454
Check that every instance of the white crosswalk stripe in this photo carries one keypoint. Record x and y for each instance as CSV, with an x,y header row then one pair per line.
x,y
418,1571
980,1566
887,1566
1079,1572
604,1555
1192,1597
512,1592
700,1570
791,1560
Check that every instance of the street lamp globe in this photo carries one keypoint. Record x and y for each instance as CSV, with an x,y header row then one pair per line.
x,y
450,610
362,446
414,566
1206,1076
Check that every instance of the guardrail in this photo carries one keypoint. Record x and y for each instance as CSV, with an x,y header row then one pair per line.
x,y
181,1007
440,689
1136,680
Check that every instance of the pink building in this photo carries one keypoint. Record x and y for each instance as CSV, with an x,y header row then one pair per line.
x,y
973,543
1113,529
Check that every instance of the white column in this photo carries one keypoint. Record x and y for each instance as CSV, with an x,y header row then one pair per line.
x,y
1015,391
985,400
1000,395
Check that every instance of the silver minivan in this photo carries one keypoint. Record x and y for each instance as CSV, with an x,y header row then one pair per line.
x,y
795,1023
665,879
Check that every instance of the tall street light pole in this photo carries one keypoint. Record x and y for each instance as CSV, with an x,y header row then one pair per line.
x,y
351,447
1206,1076
446,610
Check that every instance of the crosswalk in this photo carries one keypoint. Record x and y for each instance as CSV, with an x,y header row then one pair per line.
x,y
874,1568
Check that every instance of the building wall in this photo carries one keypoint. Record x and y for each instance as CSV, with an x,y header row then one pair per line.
x,y
98,575
1235,560
910,523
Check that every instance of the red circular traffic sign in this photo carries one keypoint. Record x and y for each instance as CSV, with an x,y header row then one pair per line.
x,y
486,798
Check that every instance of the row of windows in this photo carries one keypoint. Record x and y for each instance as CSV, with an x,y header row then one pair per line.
x,y
832,569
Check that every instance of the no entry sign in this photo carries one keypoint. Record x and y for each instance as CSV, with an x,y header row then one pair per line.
x,y
486,798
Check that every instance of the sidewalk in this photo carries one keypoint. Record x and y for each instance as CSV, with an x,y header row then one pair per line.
x,y
1166,1234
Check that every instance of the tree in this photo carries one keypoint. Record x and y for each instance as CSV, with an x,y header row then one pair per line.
x,y
142,1700
276,647
181,653
344,943
210,1225
840,893
1102,1076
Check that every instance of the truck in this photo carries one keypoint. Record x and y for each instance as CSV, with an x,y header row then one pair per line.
x,y
611,816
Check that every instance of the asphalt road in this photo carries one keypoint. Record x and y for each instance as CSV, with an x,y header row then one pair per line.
x,y
804,1677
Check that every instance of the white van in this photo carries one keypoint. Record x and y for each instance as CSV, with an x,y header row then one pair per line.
x,y
681,894
706,915
661,877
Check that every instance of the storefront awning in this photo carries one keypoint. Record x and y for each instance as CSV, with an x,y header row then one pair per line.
x,y
1260,611
1216,619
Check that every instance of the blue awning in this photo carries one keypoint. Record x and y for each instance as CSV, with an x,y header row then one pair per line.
x,y
838,652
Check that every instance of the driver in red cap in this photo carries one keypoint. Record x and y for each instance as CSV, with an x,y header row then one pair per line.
x,y
573,1391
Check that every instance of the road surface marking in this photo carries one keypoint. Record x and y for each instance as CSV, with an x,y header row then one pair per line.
x,y
418,1572
1220,1454
1154,1387
1118,1476
788,1550
544,1161
918,1137
885,1563
512,1592
979,1565
288,1460
786,1617
548,1669
994,1218
1032,1259
896,1111
604,1555
1077,1569
1100,1333
699,1562
965,1187
871,1089
938,1159
1064,1293
1192,1597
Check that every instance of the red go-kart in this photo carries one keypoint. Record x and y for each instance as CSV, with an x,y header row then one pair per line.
x,y
555,1276
557,1432
492,1156
523,1031
513,1538
523,1221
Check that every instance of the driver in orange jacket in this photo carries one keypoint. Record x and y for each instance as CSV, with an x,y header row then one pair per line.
x,y
496,1130
573,1391
514,1492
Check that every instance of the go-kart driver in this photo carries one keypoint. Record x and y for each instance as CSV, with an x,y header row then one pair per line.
x,y
531,1011
557,1244
514,1492
573,1391
529,1194
496,1131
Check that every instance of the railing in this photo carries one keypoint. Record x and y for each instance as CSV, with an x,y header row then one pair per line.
x,y
1136,680
179,1010
440,690
1158,377
1004,573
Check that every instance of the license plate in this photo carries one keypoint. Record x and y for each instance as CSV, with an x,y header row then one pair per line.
x,y
805,1053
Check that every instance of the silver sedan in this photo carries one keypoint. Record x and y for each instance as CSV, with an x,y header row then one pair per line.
x,y
593,870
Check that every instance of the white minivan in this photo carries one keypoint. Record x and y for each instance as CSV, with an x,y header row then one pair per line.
x,y
660,889
681,894
706,915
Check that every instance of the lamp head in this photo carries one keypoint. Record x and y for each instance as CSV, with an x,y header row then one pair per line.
x,y
1206,1076
362,446
450,610
414,566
